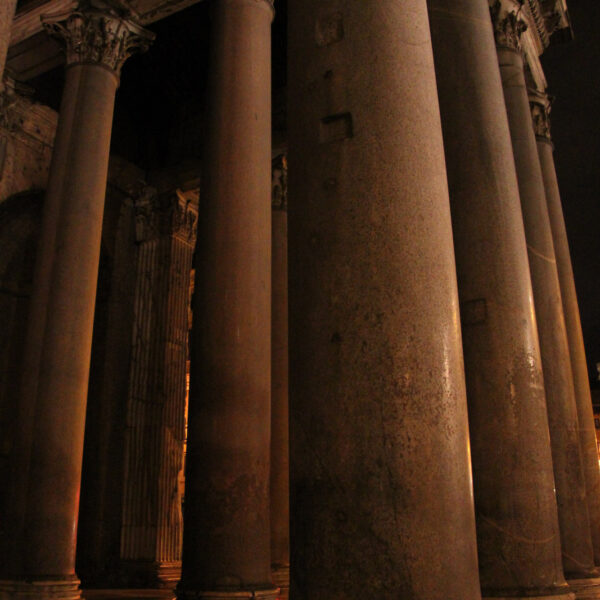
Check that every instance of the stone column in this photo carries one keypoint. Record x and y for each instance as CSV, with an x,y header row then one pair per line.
x,y
7,13
574,522
59,341
152,526
540,107
226,545
381,495
280,482
517,521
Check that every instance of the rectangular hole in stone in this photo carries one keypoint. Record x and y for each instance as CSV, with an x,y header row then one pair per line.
x,y
473,312
336,127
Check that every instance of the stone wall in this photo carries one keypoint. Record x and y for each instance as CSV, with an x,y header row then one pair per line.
x,y
27,132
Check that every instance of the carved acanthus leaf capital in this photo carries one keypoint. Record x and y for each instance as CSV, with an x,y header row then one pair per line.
x,y
508,27
98,34
279,183
156,215
540,106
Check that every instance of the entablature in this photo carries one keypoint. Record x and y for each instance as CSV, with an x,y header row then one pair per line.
x,y
546,21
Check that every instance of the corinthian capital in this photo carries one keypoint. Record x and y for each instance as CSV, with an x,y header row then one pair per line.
x,y
171,215
540,106
508,26
97,33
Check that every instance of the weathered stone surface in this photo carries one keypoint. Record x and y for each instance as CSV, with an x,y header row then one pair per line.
x,y
587,432
226,546
377,400
517,522
100,507
58,341
27,132
574,522
152,527
7,12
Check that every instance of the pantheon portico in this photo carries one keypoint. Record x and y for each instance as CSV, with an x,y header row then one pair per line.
x,y
288,306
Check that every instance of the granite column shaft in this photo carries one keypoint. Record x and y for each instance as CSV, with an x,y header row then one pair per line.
x,y
517,520
577,551
585,414
381,497
58,344
226,546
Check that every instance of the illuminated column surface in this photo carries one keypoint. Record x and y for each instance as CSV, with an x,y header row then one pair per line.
x,y
576,543
540,108
517,521
380,481
98,41
226,538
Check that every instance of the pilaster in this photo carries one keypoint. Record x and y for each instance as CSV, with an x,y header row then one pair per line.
x,y
152,525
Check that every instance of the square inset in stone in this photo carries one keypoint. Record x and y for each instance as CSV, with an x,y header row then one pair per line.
x,y
336,127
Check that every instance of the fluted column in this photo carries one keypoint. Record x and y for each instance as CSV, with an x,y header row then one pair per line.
x,y
558,379
280,481
226,541
381,496
152,525
540,107
517,521
62,306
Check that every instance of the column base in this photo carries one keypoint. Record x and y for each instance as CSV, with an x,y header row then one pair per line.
x,y
280,575
585,589
40,590
270,594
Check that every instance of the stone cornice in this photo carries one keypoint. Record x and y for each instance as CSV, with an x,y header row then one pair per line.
x,y
538,21
98,33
